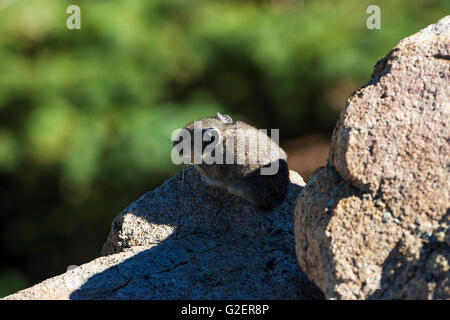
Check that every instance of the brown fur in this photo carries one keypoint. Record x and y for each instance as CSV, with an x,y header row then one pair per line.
x,y
244,180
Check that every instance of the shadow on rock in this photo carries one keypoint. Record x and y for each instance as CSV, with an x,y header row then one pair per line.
x,y
407,276
186,240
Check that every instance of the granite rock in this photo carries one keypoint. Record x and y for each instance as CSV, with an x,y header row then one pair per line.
x,y
186,240
374,222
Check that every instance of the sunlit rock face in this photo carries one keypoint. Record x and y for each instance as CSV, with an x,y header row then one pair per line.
x,y
374,222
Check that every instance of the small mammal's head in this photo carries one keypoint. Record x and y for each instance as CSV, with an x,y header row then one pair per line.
x,y
208,129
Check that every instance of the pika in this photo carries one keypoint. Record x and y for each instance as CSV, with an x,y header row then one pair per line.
x,y
236,157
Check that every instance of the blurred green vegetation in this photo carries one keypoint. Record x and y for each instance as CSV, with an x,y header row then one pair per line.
x,y
86,115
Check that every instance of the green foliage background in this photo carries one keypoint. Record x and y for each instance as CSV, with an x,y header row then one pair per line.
x,y
86,115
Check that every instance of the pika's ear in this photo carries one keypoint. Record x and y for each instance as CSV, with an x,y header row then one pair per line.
x,y
224,118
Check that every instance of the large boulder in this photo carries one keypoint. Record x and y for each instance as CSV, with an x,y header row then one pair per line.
x,y
374,222
186,240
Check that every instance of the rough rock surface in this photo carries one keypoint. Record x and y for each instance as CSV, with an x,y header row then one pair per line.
x,y
186,240
374,222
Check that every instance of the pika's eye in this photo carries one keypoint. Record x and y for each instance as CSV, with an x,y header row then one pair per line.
x,y
210,134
